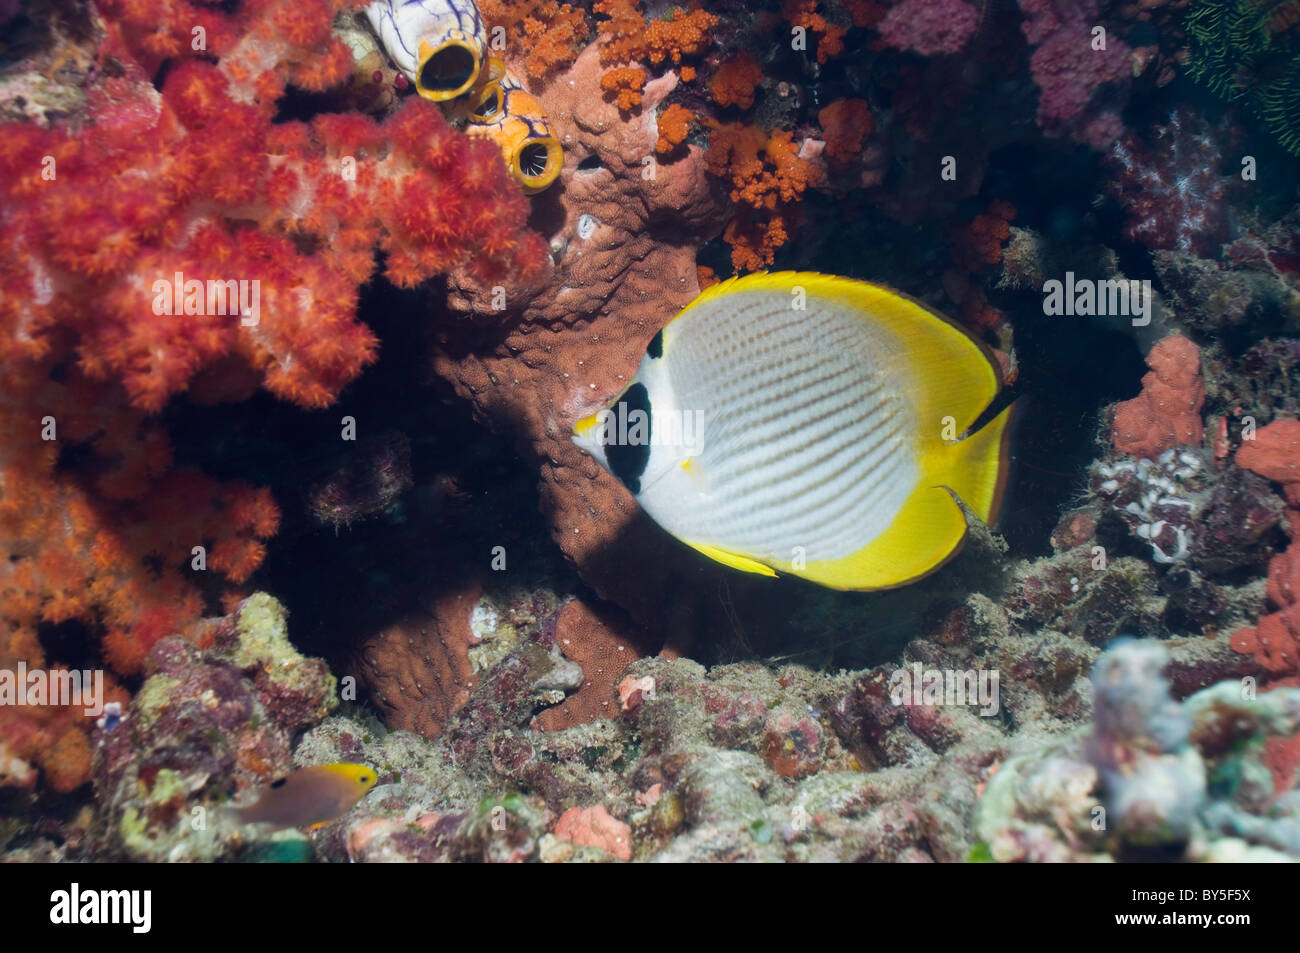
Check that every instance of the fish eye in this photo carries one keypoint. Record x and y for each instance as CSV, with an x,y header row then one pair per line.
x,y
365,778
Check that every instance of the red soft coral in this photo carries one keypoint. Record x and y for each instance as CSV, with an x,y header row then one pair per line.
x,y
1274,452
180,237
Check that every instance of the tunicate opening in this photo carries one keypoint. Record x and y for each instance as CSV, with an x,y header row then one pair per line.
x,y
537,164
489,108
447,72
532,159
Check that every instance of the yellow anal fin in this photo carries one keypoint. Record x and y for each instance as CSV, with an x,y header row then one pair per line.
x,y
743,563
926,533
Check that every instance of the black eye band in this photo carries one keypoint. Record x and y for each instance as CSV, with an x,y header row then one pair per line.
x,y
627,437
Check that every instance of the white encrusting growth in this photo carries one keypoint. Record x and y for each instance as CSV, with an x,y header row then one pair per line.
x,y
1161,485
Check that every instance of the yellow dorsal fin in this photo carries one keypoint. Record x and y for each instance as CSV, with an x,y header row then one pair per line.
x,y
953,376
957,376
743,563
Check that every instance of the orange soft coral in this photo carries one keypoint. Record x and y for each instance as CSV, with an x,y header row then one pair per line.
x,y
631,38
552,33
1168,411
48,737
735,81
830,36
763,168
118,549
767,177
674,124
754,242
1274,453
624,85
980,243
846,124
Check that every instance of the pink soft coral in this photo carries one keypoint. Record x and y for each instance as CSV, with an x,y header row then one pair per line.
x,y
929,27
1072,74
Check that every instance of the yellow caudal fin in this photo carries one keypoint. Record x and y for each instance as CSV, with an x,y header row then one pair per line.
x,y
975,469
925,534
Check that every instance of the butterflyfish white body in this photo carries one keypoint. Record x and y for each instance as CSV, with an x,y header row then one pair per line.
x,y
806,424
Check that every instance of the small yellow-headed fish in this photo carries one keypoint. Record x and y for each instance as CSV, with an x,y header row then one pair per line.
x,y
440,45
499,108
807,424
310,797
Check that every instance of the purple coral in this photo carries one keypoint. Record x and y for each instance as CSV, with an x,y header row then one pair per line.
x,y
930,27
1071,74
